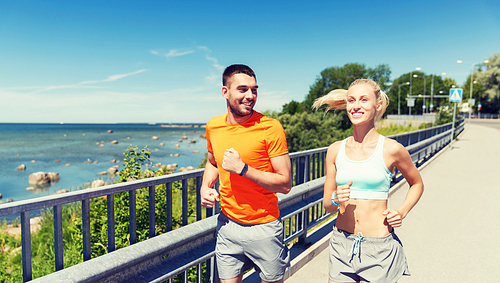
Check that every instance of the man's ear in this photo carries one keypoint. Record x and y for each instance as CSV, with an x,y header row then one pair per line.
x,y
225,92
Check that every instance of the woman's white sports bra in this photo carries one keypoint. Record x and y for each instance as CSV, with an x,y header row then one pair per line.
x,y
370,178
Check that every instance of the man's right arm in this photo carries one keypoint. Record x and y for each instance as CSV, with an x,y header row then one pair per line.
x,y
210,177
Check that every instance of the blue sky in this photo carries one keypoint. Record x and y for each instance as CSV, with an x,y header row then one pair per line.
x,y
161,61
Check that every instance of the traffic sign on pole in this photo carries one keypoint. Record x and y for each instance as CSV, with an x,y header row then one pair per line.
x,y
456,94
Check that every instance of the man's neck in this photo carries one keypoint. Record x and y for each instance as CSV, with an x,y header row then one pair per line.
x,y
233,119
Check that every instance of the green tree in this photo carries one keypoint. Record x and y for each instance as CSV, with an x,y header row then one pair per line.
x,y
489,80
341,77
450,83
133,162
312,130
420,84
293,107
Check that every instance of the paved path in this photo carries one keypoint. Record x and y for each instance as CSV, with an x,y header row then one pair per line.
x,y
453,234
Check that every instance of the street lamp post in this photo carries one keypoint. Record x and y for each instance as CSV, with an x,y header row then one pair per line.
x,y
432,90
424,106
420,95
399,97
411,76
471,78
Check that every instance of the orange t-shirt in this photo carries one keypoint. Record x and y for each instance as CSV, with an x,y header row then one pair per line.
x,y
257,140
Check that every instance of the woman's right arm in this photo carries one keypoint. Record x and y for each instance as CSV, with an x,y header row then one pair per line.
x,y
343,192
330,183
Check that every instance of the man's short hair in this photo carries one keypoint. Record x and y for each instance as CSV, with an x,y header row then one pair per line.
x,y
236,69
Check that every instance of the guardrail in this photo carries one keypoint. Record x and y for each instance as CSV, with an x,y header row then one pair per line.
x,y
161,257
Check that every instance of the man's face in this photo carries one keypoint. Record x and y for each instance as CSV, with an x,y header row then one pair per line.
x,y
241,95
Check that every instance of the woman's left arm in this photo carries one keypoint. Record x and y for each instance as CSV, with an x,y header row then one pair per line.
x,y
402,161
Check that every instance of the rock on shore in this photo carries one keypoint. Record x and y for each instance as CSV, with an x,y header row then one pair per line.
x,y
38,178
97,183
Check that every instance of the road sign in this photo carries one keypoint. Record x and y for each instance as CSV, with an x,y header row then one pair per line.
x,y
411,102
472,102
456,94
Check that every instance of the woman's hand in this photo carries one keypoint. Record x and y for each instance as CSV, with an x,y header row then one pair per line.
x,y
393,217
342,193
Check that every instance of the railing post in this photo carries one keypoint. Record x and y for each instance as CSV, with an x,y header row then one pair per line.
x,y
295,168
152,222
301,162
184,202
323,163
198,199
307,168
86,228
110,201
315,167
26,245
58,238
132,216
304,222
169,205
199,272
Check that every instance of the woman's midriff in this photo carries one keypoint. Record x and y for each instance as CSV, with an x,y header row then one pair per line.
x,y
365,216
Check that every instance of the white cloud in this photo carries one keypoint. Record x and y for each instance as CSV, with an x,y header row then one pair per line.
x,y
113,77
212,59
172,53
85,84
177,53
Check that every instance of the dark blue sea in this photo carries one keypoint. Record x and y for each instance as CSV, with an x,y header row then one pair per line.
x,y
64,148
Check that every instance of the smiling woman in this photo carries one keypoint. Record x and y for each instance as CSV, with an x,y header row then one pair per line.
x,y
361,199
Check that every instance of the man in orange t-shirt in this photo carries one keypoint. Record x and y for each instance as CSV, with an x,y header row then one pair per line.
x,y
247,152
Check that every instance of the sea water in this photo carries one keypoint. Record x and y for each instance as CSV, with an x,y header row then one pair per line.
x,y
65,148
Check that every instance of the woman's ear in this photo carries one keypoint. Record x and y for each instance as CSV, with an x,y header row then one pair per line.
x,y
379,106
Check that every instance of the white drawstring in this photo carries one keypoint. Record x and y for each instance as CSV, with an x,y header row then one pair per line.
x,y
356,245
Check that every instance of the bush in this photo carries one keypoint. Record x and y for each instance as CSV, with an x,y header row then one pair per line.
x,y
42,241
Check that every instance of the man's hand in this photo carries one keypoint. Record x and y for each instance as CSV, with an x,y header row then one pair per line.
x,y
208,197
232,162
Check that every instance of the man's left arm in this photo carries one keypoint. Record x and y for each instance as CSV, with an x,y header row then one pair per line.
x,y
279,181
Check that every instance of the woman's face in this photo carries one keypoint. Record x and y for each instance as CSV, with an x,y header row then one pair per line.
x,y
362,104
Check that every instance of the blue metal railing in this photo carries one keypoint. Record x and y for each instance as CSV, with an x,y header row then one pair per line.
x,y
301,209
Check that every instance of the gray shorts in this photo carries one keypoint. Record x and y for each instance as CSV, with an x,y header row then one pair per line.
x,y
366,259
240,247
